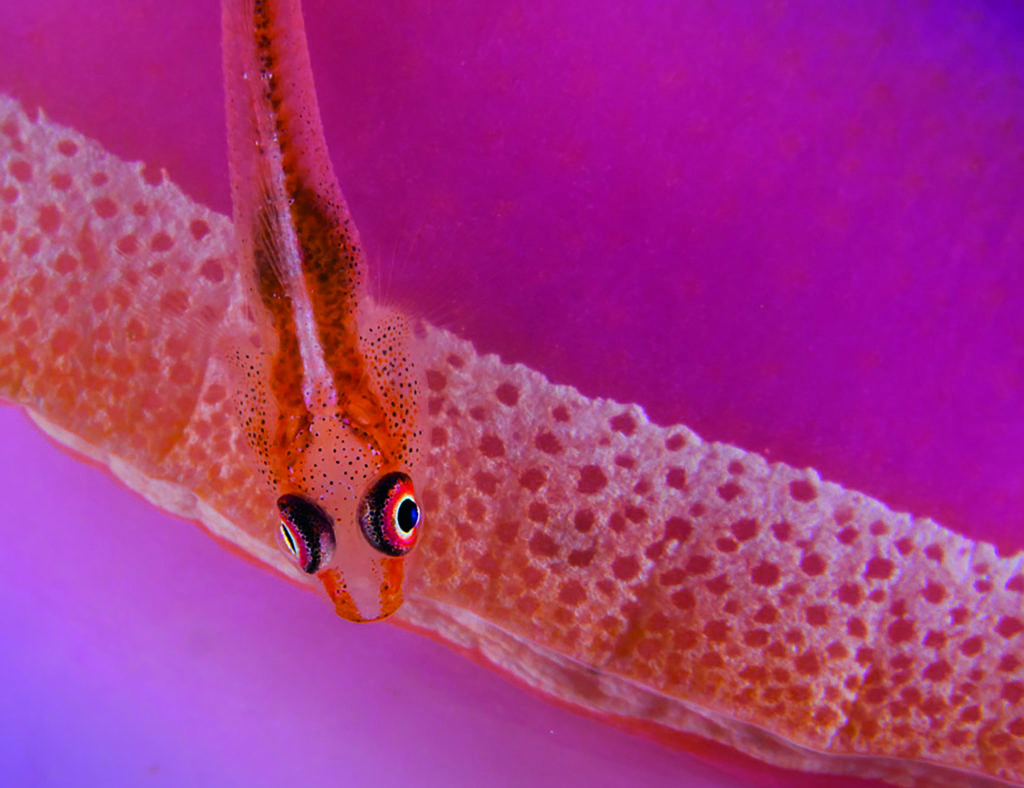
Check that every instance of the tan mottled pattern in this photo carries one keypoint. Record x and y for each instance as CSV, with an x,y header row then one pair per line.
x,y
631,569
699,571
119,305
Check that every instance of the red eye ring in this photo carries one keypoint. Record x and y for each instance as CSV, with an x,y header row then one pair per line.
x,y
390,516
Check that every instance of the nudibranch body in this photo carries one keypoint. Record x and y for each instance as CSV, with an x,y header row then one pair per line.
x,y
329,392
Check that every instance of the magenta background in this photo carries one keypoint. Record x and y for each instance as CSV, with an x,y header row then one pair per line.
x,y
800,231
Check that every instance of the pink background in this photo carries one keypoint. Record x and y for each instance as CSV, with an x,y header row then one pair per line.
x,y
794,230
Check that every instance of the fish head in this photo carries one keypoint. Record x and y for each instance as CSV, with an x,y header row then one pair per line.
x,y
343,467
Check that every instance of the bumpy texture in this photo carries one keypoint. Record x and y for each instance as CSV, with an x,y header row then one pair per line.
x,y
119,301
631,569
758,593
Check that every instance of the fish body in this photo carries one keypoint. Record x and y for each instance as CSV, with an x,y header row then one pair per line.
x,y
329,393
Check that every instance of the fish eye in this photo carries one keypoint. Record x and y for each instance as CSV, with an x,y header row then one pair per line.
x,y
390,515
307,533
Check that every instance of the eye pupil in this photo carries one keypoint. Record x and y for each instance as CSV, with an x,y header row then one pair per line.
x,y
289,541
408,515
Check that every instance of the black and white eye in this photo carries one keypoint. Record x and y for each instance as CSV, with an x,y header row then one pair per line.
x,y
390,515
307,533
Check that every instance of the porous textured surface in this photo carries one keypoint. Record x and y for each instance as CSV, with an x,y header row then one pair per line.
x,y
604,547
149,318
116,293
631,569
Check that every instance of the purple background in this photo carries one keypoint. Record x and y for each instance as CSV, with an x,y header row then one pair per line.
x,y
793,229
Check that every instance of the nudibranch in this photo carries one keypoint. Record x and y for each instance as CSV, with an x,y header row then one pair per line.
x,y
329,389
635,571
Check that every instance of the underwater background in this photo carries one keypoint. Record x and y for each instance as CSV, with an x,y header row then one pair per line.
x,y
795,229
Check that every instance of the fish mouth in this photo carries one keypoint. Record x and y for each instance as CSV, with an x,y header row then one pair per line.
x,y
389,597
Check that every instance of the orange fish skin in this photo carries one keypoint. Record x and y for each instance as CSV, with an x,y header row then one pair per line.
x,y
329,391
